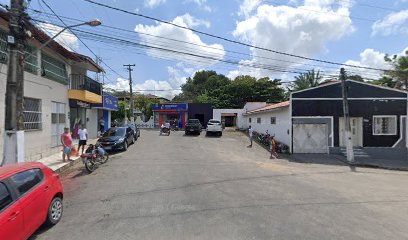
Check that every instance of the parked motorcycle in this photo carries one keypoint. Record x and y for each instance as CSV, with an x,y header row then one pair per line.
x,y
94,156
264,138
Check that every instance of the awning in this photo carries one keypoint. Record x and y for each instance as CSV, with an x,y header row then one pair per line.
x,y
228,114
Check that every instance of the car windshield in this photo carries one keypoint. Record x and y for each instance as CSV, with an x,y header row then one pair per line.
x,y
115,132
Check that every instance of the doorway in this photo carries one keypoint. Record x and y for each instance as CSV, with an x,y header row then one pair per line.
x,y
356,132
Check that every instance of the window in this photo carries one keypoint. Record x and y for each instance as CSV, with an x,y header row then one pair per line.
x,y
30,61
3,47
258,120
26,180
273,120
384,125
250,120
53,69
5,197
32,114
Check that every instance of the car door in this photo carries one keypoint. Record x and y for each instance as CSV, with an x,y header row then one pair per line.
x,y
11,217
129,135
32,190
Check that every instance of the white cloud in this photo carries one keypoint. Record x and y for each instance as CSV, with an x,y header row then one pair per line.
x,y
210,52
201,3
66,39
393,23
153,3
248,6
291,30
373,59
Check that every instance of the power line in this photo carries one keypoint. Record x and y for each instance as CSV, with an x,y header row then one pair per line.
x,y
80,39
229,40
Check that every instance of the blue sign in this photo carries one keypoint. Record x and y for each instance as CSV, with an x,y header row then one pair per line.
x,y
170,107
108,102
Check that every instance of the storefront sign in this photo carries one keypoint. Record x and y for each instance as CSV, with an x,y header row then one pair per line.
x,y
170,107
108,103
78,104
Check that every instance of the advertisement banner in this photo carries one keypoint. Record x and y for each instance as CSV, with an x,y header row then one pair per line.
x,y
170,107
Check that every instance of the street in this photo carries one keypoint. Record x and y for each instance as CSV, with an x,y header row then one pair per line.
x,y
197,187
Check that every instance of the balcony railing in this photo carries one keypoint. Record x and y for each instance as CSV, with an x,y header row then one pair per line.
x,y
83,82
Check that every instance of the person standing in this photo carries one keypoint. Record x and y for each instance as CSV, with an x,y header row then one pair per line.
x,y
83,136
66,141
101,125
272,148
250,130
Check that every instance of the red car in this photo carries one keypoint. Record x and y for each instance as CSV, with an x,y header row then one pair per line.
x,y
30,195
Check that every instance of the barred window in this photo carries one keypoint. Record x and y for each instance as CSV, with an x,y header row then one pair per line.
x,y
3,47
258,120
273,120
384,125
32,114
53,69
31,61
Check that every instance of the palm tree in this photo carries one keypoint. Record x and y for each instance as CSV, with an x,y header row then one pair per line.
x,y
306,80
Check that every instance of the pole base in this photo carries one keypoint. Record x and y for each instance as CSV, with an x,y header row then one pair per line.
x,y
14,149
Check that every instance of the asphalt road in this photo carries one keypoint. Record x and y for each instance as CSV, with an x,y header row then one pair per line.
x,y
187,187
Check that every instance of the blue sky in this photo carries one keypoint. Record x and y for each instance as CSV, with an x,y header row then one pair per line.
x,y
344,31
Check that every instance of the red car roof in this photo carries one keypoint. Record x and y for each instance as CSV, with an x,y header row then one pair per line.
x,y
10,169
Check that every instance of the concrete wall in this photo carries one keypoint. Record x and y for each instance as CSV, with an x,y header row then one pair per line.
x,y
37,142
281,129
240,119
92,123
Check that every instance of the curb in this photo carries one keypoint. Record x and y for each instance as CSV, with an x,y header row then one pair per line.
x,y
367,165
77,160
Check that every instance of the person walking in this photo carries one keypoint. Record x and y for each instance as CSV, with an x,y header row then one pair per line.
x,y
66,141
101,125
83,136
250,130
272,148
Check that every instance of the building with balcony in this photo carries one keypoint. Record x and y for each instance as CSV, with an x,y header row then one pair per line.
x,y
52,77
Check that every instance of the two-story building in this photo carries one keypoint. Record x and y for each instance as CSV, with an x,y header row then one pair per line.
x,y
52,77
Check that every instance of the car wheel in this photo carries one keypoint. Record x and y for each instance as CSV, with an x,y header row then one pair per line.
x,y
125,146
133,140
220,134
54,211
186,132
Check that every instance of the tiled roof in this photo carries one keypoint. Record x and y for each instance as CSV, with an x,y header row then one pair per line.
x,y
270,107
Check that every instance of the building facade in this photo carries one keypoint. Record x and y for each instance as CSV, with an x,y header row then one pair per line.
x,y
47,82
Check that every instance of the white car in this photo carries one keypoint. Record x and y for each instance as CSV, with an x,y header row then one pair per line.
x,y
214,126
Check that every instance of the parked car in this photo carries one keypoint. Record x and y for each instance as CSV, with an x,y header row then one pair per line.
x,y
214,127
30,195
193,126
117,138
135,129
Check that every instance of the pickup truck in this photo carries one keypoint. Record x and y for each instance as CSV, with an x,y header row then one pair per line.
x,y
193,126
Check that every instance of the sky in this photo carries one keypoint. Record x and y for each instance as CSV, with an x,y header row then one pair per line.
x,y
349,32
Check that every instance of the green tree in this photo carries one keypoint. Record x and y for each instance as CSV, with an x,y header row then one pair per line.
x,y
306,80
144,104
399,71
385,81
356,78
122,113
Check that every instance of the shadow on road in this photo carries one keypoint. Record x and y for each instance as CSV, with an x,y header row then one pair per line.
x,y
324,159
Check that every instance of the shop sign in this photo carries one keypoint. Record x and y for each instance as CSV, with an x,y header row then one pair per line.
x,y
108,102
170,107
78,104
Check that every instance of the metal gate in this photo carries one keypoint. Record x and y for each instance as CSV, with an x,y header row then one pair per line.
x,y
310,138
58,119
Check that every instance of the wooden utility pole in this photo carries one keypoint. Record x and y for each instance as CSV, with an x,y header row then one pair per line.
x,y
347,126
132,105
14,115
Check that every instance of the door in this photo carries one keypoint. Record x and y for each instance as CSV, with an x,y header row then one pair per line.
x,y
58,118
33,200
11,217
310,138
356,132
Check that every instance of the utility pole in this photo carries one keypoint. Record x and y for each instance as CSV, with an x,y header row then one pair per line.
x,y
132,105
347,125
14,115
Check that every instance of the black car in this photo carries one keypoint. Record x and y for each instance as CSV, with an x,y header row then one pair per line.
x,y
117,138
135,129
193,126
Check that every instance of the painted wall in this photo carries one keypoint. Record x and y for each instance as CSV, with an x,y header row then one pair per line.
x,y
38,142
240,118
282,128
92,124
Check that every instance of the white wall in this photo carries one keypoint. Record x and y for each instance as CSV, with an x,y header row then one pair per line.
x,y
37,142
249,106
282,127
92,124
240,119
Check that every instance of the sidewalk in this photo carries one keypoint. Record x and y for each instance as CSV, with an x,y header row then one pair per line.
x,y
55,161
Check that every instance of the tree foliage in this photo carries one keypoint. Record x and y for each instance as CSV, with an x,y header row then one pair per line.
x,y
222,92
399,71
306,80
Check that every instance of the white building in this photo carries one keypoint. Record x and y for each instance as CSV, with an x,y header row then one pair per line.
x,y
274,118
47,90
235,117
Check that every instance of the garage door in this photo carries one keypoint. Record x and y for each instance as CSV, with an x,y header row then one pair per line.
x,y
310,138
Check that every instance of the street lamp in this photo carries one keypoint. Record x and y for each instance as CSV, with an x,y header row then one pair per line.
x,y
92,23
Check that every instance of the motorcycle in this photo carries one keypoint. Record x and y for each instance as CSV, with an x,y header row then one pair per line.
x,y
94,156
165,130
264,139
